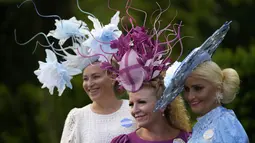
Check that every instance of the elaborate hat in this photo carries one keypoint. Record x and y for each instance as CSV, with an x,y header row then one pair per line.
x,y
141,56
177,74
87,46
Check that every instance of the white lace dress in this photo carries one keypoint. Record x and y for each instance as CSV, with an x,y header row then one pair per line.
x,y
82,125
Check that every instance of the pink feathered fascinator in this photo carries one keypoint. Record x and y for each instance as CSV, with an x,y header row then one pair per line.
x,y
141,56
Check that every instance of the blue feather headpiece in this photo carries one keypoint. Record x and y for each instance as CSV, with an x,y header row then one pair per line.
x,y
179,71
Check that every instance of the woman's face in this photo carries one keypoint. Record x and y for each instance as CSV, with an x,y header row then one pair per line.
x,y
142,104
96,82
200,94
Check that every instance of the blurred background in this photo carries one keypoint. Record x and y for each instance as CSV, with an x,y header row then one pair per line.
x,y
30,114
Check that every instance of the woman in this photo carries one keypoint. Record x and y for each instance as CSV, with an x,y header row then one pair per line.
x,y
103,119
107,116
142,59
205,90
169,126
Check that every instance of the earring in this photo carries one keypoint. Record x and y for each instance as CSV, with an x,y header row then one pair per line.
x,y
163,114
219,97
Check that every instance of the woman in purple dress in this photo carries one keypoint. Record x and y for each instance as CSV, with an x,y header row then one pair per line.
x,y
168,126
139,64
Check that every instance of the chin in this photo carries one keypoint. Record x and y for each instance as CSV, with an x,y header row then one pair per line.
x,y
94,97
142,124
198,111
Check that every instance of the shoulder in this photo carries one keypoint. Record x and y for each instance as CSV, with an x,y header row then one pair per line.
x,y
72,114
124,138
76,113
228,119
229,127
184,136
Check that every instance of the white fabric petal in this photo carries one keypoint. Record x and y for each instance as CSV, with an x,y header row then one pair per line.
x,y
69,28
96,23
53,74
101,38
76,60
50,56
170,72
115,19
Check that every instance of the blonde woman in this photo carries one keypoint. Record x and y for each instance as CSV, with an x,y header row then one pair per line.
x,y
168,126
206,89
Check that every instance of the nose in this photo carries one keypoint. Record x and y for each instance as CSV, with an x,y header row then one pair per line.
x,y
135,109
190,96
90,82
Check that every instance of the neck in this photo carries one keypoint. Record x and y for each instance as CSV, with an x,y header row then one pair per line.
x,y
215,106
106,106
161,131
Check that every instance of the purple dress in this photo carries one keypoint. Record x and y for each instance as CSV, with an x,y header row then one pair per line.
x,y
133,138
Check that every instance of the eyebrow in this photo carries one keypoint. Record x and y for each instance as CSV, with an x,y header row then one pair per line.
x,y
194,85
142,99
199,84
93,74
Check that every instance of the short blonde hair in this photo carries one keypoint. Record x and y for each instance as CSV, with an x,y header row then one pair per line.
x,y
227,80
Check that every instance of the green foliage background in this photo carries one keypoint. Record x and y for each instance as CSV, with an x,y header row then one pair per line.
x,y
30,114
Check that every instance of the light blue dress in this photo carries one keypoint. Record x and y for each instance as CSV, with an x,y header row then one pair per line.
x,y
218,126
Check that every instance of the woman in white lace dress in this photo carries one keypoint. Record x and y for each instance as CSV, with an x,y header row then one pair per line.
x,y
107,116
102,120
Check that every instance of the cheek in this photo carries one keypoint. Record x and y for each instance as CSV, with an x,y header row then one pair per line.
x,y
131,111
156,114
84,85
104,81
208,99
204,95
149,108
107,85
185,96
211,97
209,94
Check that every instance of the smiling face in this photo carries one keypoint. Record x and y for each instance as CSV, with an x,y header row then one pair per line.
x,y
142,104
96,83
200,94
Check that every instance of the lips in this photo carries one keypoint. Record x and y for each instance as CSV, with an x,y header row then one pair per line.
x,y
194,103
139,117
136,116
93,90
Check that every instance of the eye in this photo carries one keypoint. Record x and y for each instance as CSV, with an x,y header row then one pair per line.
x,y
96,76
85,78
142,102
198,88
131,104
186,89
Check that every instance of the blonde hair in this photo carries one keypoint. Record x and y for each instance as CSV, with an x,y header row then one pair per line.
x,y
227,80
176,112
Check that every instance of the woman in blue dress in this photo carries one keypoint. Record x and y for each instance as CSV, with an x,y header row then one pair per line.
x,y
205,90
